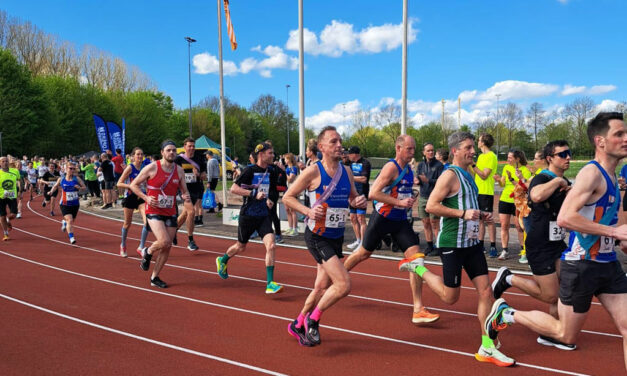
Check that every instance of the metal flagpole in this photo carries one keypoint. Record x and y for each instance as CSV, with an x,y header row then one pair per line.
x,y
459,112
301,84
404,78
222,132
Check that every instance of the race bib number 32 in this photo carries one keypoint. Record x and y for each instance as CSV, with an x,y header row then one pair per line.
x,y
190,178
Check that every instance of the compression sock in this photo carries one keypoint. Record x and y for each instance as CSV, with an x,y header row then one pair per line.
x,y
269,274
300,320
315,315
430,244
70,235
486,342
124,233
225,258
142,241
420,270
191,238
493,244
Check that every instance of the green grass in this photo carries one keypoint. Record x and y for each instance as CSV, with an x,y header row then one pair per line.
x,y
229,183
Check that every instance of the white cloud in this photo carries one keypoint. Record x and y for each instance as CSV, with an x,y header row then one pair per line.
x,y
601,89
340,116
340,37
607,105
206,63
583,90
570,90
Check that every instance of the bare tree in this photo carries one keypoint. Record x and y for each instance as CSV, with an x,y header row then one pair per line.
x,y
386,117
361,121
579,111
535,118
512,117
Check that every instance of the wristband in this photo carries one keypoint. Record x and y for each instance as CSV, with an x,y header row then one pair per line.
x,y
463,214
253,193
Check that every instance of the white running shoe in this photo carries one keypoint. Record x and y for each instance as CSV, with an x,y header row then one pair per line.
x,y
72,240
63,226
19,215
354,244
504,255
410,264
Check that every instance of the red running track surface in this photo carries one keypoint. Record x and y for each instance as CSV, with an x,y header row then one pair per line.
x,y
84,309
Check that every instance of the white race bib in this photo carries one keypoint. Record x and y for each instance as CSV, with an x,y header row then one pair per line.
x,y
607,244
472,229
555,232
402,196
165,202
190,178
71,196
51,183
336,217
264,188
9,194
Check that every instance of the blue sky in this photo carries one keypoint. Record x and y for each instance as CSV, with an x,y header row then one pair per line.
x,y
549,51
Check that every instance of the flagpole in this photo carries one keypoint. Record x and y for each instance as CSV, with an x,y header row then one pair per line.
x,y
404,74
222,132
301,84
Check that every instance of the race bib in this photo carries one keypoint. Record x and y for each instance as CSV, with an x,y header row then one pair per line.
x,y
264,188
607,244
190,178
165,202
9,194
556,232
472,230
51,183
71,196
336,217
402,196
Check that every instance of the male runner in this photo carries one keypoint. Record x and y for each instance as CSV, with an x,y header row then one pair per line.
x,y
324,233
70,184
107,168
361,175
257,184
195,168
545,239
32,179
8,196
163,179
485,169
455,200
50,177
393,199
589,265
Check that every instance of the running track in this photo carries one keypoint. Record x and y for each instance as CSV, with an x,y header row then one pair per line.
x,y
84,310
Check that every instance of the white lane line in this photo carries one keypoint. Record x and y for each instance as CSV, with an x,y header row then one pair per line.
x,y
141,338
257,313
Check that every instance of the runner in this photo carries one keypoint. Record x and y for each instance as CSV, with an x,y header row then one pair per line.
x,y
455,200
485,169
50,177
330,187
257,184
291,172
392,192
21,186
164,179
32,179
8,195
106,167
131,202
361,175
195,167
545,239
589,265
70,185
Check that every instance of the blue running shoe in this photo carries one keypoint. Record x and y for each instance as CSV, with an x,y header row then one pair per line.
x,y
493,252
221,266
494,323
273,288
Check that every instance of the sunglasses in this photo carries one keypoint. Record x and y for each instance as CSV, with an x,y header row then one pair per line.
x,y
563,154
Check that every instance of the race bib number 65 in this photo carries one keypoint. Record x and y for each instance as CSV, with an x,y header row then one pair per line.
x,y
336,217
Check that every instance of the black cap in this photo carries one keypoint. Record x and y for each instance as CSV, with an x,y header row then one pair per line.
x,y
354,150
209,152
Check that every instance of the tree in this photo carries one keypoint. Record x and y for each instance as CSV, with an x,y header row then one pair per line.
x,y
512,119
579,111
535,117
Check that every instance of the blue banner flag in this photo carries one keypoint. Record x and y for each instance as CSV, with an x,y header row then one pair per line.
x,y
115,136
123,137
101,133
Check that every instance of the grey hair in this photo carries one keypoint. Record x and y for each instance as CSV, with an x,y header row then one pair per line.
x,y
456,138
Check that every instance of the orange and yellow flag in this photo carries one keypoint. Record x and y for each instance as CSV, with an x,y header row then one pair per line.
x,y
229,25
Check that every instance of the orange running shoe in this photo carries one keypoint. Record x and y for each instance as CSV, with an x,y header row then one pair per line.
x,y
424,317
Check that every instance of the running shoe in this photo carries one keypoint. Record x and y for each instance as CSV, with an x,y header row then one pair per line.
x,y
254,235
43,204
548,341
299,334
18,216
157,282
72,240
221,266
504,255
63,226
523,259
123,251
424,317
141,251
5,237
273,288
494,323
494,356
311,330
145,263
499,285
278,239
410,264
354,244
192,246
493,252
52,213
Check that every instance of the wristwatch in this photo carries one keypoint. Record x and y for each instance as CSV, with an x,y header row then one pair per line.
x,y
474,165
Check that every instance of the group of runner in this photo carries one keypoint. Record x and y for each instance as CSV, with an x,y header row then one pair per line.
x,y
566,276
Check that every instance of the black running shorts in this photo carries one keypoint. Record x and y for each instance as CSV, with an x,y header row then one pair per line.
x,y
583,279
470,259
401,232
542,262
8,202
69,210
132,201
248,225
507,208
170,221
486,203
323,248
